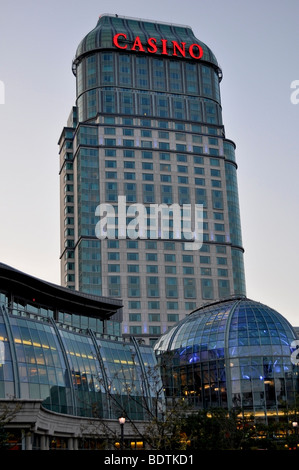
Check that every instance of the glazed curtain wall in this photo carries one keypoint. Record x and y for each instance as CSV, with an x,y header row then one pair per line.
x,y
72,372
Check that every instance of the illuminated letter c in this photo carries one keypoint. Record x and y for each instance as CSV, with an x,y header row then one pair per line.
x,y
115,40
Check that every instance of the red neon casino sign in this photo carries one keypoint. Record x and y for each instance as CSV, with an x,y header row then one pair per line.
x,y
153,46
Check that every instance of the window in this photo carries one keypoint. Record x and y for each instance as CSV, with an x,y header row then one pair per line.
x,y
151,257
163,134
189,288
152,286
207,288
173,317
132,244
154,317
135,330
133,286
110,142
224,288
129,175
150,245
147,177
129,164
169,258
114,286
132,256
189,270
222,272
164,156
214,162
146,154
169,245
165,178
109,130
151,269
190,306
111,175
172,306
154,305
165,167
205,271
182,169
216,173
133,268
135,317
154,330
113,256
170,269
147,165
171,287
129,132
113,268
110,164
128,143
183,179
134,304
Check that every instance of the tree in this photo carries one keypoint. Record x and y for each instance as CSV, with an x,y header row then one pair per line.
x,y
7,414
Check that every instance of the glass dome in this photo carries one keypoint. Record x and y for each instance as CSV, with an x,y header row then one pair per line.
x,y
233,353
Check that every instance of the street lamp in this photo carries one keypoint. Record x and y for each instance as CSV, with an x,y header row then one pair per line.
x,y
122,421
295,426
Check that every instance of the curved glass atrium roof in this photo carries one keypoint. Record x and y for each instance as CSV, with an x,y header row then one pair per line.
x,y
242,326
52,350
233,353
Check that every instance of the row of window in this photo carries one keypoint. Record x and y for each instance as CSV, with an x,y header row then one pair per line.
x,y
164,157
129,176
155,305
148,133
154,317
147,73
149,144
149,197
164,167
153,245
133,102
190,287
153,124
153,269
170,258
138,330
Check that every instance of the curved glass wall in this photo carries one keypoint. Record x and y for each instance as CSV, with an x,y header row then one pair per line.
x,y
234,354
73,372
118,83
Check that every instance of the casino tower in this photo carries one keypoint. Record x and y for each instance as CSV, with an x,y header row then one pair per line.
x,y
147,126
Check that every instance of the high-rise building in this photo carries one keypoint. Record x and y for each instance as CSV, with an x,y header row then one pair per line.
x,y
147,129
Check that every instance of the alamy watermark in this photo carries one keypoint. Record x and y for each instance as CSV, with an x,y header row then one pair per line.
x,y
295,94
157,221
2,92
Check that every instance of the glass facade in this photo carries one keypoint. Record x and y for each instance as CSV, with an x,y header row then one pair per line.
x,y
148,126
73,370
234,354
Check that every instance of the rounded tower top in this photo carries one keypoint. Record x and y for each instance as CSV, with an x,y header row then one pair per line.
x,y
139,35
